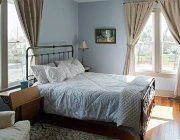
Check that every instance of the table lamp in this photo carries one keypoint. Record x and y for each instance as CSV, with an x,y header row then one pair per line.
x,y
83,46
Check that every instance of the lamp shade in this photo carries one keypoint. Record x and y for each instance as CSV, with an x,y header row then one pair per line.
x,y
83,45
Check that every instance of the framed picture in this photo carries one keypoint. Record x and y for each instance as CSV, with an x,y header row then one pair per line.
x,y
105,35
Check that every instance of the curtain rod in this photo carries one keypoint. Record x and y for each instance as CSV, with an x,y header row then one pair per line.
x,y
138,2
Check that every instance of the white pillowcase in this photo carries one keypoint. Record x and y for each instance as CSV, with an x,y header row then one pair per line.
x,y
40,73
64,65
70,60
55,74
51,64
80,67
72,67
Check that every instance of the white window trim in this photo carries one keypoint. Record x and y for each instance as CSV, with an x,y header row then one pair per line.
x,y
157,62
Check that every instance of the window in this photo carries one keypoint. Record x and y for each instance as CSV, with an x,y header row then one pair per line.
x,y
17,44
170,49
144,47
156,50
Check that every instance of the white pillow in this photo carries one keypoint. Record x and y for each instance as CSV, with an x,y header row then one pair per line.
x,y
55,74
66,69
73,69
64,61
80,67
39,73
51,64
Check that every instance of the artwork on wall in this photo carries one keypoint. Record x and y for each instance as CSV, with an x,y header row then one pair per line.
x,y
105,35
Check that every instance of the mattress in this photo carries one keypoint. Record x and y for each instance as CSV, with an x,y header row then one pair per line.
x,y
97,96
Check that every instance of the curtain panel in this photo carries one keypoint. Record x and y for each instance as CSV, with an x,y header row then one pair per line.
x,y
171,12
30,14
136,16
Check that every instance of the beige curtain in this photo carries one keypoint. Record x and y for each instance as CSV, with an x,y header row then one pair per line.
x,y
136,15
171,12
30,14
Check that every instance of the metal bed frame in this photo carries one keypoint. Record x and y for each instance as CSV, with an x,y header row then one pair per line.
x,y
147,102
48,55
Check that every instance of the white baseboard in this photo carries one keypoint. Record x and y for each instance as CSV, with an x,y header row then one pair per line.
x,y
164,93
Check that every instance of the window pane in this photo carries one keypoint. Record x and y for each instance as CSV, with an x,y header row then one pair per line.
x,y
170,49
17,44
144,47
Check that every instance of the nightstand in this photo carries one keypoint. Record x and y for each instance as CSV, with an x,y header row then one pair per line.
x,y
87,68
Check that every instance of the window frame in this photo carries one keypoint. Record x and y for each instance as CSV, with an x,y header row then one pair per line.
x,y
4,83
157,53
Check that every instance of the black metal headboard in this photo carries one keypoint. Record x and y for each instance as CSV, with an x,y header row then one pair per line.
x,y
47,54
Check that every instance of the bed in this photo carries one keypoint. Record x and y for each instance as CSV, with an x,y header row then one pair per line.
x,y
121,103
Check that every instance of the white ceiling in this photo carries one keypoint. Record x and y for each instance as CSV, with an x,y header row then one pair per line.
x,y
88,0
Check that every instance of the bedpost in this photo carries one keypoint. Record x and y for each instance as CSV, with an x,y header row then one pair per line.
x,y
27,55
142,137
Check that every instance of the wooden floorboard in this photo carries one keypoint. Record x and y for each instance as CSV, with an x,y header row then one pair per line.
x,y
165,120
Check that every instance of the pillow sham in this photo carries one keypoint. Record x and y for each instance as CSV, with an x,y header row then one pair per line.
x,y
64,66
80,67
64,61
39,73
51,64
73,69
55,74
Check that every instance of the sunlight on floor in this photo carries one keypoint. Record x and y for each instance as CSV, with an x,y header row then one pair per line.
x,y
160,115
154,123
163,112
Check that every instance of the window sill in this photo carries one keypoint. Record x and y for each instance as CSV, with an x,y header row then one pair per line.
x,y
161,74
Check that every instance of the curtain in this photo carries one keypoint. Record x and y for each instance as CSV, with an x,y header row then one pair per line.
x,y
136,15
171,12
30,14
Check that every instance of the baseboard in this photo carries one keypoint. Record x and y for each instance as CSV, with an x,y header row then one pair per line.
x,y
164,93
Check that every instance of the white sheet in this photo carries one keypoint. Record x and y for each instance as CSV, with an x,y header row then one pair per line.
x,y
92,96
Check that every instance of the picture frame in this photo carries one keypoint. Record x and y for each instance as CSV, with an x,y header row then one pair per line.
x,y
105,36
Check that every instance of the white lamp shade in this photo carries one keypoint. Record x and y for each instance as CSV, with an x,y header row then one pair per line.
x,y
83,45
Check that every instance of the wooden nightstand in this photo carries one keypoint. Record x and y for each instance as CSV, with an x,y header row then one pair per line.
x,y
87,68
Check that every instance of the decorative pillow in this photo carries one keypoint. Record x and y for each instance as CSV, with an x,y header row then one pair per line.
x,y
80,67
64,66
64,61
39,73
51,64
55,74
73,69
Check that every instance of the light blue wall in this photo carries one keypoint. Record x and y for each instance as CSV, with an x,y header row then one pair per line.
x,y
59,22
108,58
101,57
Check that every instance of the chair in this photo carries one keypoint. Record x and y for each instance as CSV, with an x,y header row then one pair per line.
x,y
9,130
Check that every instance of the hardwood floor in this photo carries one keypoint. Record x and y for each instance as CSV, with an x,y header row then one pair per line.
x,y
165,120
